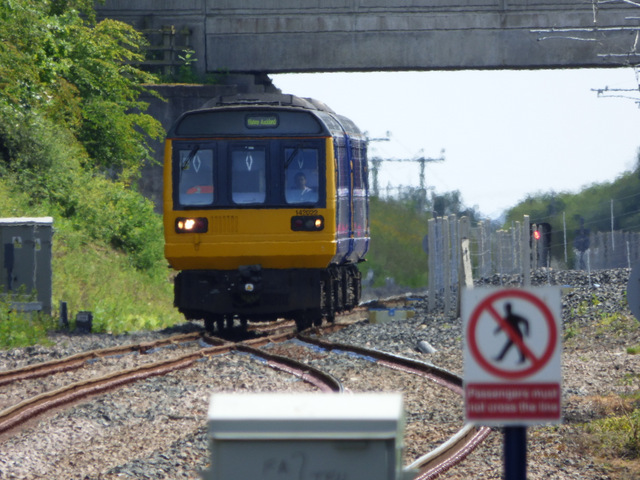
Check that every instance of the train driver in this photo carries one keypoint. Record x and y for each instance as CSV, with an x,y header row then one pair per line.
x,y
303,193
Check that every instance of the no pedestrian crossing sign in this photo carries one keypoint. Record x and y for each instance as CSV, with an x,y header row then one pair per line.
x,y
512,355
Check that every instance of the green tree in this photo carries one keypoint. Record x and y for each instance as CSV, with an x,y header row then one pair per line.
x,y
73,134
57,64
591,207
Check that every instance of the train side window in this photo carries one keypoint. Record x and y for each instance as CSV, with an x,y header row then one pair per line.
x,y
301,175
248,175
195,176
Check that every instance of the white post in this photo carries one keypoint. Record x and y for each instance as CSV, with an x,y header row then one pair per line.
x,y
446,255
465,275
432,263
526,253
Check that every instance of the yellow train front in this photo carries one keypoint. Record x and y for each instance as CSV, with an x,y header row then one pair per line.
x,y
265,210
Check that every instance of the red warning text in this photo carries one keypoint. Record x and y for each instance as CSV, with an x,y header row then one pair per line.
x,y
502,402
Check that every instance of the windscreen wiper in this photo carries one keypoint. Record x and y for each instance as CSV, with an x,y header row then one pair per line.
x,y
189,158
291,157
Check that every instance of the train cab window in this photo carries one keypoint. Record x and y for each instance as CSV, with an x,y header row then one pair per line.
x,y
248,175
195,176
301,175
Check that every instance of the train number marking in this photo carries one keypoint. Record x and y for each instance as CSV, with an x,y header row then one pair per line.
x,y
302,213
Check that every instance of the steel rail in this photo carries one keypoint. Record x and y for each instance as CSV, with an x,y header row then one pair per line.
x,y
450,453
322,380
75,362
32,407
15,415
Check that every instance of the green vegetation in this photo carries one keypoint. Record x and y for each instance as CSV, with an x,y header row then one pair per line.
x,y
397,230
19,329
614,437
635,350
73,136
98,264
591,208
398,227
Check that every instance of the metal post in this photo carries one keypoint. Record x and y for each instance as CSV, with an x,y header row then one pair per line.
x,y
64,318
526,253
613,245
515,453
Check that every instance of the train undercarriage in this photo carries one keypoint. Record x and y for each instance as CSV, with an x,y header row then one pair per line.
x,y
306,296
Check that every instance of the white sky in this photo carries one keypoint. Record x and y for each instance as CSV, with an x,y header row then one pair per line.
x,y
506,134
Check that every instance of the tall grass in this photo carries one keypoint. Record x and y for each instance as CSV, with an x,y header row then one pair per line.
x,y
90,274
97,278
18,329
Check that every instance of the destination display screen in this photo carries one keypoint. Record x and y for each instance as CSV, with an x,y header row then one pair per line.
x,y
238,122
262,121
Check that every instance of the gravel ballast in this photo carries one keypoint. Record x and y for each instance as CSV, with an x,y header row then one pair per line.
x,y
156,428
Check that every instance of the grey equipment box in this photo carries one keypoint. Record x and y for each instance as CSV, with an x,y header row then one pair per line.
x,y
323,436
25,260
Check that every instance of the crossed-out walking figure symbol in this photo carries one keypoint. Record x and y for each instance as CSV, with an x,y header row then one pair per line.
x,y
519,326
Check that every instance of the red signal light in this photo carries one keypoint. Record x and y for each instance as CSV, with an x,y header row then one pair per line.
x,y
537,235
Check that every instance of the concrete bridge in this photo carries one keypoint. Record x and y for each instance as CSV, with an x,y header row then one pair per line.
x,y
275,36
248,39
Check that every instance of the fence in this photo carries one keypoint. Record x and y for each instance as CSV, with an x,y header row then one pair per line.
x,y
166,44
460,254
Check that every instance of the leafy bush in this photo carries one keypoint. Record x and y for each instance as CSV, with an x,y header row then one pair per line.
x,y
58,65
73,136
110,212
70,121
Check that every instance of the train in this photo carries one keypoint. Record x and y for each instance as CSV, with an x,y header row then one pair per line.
x,y
265,210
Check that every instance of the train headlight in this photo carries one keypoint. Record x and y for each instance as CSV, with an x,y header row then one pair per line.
x,y
192,225
307,223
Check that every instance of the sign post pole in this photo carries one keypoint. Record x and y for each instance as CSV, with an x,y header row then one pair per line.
x,y
515,453
512,364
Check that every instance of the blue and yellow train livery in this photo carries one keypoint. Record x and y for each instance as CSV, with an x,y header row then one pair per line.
x,y
265,210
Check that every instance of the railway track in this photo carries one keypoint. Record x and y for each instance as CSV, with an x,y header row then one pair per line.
x,y
450,452
429,465
80,360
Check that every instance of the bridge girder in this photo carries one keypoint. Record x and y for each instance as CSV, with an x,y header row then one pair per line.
x,y
282,36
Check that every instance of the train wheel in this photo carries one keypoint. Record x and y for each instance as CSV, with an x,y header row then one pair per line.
x,y
329,300
357,285
337,295
301,324
208,324
220,324
316,317
303,321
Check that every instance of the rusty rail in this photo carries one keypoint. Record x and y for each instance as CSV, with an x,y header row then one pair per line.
x,y
77,361
451,452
